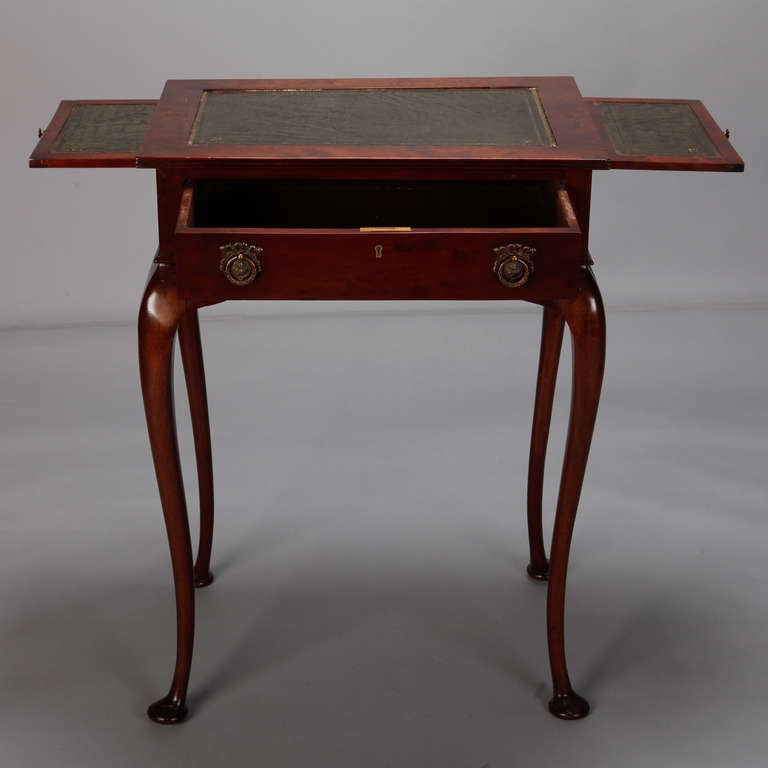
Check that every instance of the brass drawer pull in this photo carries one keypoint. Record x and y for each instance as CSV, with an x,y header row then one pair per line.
x,y
513,265
240,262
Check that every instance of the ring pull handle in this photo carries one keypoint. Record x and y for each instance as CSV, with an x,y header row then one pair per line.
x,y
240,262
514,265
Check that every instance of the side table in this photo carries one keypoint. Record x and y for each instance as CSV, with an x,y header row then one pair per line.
x,y
434,188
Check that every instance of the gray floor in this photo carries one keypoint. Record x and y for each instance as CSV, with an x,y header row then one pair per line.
x,y
370,607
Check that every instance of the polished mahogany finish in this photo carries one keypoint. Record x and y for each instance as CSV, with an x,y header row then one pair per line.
x,y
585,319
194,374
386,263
577,143
160,312
475,188
552,327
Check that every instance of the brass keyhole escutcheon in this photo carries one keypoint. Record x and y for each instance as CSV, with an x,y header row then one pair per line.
x,y
240,263
378,251
514,265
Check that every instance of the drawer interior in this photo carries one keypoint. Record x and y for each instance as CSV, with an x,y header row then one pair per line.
x,y
296,203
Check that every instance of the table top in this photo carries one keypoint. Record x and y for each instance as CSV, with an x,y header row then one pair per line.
x,y
514,123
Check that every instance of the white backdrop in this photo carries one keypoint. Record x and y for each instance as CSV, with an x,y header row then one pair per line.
x,y
77,243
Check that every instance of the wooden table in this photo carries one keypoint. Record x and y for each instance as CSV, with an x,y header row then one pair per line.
x,y
376,189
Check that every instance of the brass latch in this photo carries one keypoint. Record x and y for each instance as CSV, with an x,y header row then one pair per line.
x,y
385,229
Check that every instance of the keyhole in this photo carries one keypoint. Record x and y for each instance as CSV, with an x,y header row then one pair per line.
x,y
377,249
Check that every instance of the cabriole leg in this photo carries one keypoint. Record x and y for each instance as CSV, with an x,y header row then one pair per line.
x,y
586,321
159,316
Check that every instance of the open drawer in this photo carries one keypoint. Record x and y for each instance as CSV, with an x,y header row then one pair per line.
x,y
309,239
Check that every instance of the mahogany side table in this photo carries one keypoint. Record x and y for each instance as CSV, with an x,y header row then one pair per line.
x,y
376,189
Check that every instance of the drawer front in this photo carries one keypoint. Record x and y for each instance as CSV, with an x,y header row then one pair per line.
x,y
247,264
